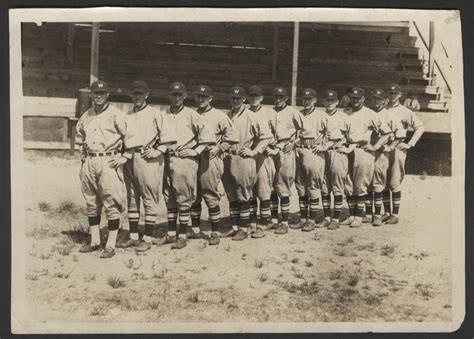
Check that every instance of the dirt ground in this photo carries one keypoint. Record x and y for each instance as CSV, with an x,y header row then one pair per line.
x,y
391,273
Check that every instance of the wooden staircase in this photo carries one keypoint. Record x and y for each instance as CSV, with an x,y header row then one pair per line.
x,y
222,55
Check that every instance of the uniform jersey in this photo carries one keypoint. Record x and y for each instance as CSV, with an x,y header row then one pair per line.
x,y
403,118
189,127
218,125
385,117
314,124
361,123
288,122
335,125
253,133
106,131
153,126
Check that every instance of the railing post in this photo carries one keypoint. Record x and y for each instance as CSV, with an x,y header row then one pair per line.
x,y
94,75
296,43
431,46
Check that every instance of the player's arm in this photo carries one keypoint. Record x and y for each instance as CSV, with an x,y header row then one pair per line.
x,y
165,137
418,128
262,135
81,137
129,138
229,134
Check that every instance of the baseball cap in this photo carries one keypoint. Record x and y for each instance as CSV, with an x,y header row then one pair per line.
x,y
237,92
255,90
331,94
379,93
140,86
99,86
177,87
356,92
204,90
280,91
309,93
394,88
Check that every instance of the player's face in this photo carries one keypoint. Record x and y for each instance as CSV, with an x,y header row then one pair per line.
x,y
236,102
309,102
202,100
279,100
177,99
357,102
100,98
393,97
139,99
377,102
331,104
255,100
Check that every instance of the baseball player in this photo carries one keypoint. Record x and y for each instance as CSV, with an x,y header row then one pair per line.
x,y
265,165
289,122
144,173
102,134
240,172
211,166
402,118
309,160
360,123
336,162
181,166
379,181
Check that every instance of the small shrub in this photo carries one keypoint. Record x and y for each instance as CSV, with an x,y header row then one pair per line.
x,y
353,279
193,297
308,263
388,250
115,281
295,260
258,264
44,206
262,277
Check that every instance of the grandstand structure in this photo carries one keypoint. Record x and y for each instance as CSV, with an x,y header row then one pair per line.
x,y
58,59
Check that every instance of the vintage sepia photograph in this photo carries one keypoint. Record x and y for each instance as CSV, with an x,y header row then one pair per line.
x,y
236,170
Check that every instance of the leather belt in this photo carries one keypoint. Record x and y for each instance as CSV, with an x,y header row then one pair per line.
x,y
101,154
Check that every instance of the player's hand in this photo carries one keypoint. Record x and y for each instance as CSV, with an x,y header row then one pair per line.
x,y
386,148
289,147
214,152
247,153
187,153
344,150
150,153
270,151
403,146
369,148
117,162
319,148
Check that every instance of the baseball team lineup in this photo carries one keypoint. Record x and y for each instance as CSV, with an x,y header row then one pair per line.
x,y
255,152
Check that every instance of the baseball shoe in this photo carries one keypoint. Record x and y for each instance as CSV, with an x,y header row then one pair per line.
x,y
271,226
323,224
128,243
179,244
107,253
392,220
214,239
259,233
167,239
240,235
193,235
143,246
297,226
385,217
377,221
87,248
282,229
333,225
230,233
347,221
310,226
368,219
357,222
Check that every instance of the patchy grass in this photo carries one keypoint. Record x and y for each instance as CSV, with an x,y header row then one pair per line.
x,y
90,277
425,290
298,274
99,310
154,304
388,250
116,281
335,274
258,264
262,277
295,260
34,275
227,247
193,297
353,279
64,275
305,288
69,207
40,232
64,246
308,263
